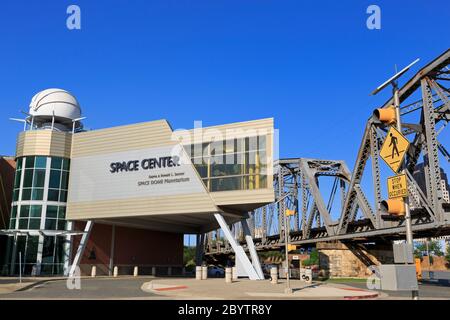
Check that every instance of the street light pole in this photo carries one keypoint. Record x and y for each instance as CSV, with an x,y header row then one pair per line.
x,y
409,235
286,245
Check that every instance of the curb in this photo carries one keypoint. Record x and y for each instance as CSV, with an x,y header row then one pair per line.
x,y
370,296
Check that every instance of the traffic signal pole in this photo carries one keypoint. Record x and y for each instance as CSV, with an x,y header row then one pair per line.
x,y
409,235
286,245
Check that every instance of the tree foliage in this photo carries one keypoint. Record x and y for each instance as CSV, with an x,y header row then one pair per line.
x,y
434,249
313,258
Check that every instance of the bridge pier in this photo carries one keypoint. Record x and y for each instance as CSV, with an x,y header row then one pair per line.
x,y
339,259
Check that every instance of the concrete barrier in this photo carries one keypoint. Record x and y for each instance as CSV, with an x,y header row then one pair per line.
x,y
228,275
116,271
135,271
198,273
154,271
204,272
234,273
274,275
93,271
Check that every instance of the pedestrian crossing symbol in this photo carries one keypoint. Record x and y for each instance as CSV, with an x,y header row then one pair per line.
x,y
394,149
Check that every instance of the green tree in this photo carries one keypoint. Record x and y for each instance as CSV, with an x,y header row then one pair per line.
x,y
447,254
434,249
189,257
313,258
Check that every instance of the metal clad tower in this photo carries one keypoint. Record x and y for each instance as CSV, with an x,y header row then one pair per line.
x,y
38,218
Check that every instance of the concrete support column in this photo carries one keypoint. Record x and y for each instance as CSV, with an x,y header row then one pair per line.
x,y
135,271
68,248
274,275
234,273
198,273
93,271
111,253
204,272
228,275
154,271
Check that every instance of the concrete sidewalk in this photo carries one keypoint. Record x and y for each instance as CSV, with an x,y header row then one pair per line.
x,y
245,289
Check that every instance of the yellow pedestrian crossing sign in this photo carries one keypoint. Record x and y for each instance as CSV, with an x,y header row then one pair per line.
x,y
394,149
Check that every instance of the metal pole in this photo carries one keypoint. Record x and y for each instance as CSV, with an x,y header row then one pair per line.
x,y
20,266
409,236
286,245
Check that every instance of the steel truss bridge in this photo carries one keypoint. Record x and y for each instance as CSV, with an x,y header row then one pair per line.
x,y
425,112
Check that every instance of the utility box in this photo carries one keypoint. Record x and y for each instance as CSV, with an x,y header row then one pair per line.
x,y
403,253
398,277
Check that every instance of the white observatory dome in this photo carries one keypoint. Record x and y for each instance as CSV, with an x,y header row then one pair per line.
x,y
55,102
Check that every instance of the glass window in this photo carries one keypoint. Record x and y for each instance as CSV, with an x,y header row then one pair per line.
x,y
35,224
66,164
23,223
52,211
62,212
50,224
37,194
31,251
53,195
202,170
24,211
56,163
28,178
35,211
55,179
217,147
19,164
47,249
26,194
61,224
12,224
17,179
64,179
39,178
14,212
29,162
224,184
63,196
16,195
41,162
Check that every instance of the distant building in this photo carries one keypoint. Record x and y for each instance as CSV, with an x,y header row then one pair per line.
x,y
7,169
419,176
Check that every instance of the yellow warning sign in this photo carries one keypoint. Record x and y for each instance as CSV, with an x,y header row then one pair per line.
x,y
397,187
394,149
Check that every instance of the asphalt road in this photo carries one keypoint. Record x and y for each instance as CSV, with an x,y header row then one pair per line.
x,y
98,288
130,288
426,291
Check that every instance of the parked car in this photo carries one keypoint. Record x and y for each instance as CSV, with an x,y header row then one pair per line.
x,y
214,271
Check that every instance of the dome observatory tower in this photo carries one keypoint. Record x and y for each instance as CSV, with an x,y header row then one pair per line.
x,y
55,109
37,227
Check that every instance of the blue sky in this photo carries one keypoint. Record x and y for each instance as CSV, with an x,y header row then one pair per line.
x,y
309,64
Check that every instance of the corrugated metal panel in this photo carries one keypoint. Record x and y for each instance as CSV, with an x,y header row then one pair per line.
x,y
148,206
243,196
45,143
122,138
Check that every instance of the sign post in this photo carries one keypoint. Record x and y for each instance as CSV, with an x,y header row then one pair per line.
x,y
395,147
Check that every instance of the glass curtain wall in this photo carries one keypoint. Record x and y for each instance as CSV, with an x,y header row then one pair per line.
x,y
39,203
235,164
